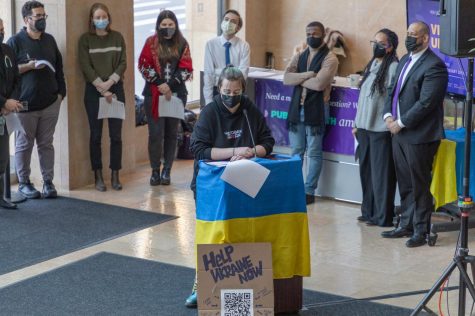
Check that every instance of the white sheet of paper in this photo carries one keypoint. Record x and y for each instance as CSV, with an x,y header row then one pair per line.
x,y
13,123
219,163
172,108
46,63
245,175
115,109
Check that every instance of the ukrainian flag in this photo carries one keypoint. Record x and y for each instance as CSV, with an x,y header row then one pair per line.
x,y
277,214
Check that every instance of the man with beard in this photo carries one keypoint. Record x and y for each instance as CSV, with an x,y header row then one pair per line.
x,y
42,89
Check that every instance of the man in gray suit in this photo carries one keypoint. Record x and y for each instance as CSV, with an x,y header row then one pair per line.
x,y
415,116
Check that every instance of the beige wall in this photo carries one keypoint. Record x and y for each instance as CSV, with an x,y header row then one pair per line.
x,y
269,25
279,25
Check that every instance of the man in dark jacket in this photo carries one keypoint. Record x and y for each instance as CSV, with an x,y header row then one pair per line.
x,y
43,87
311,72
9,79
415,116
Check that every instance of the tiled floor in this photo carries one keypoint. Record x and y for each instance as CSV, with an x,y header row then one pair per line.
x,y
348,258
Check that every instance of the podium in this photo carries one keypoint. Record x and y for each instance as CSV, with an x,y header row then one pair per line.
x,y
277,215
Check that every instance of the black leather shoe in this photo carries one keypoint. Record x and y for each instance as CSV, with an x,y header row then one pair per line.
x,y
361,219
309,199
416,240
397,233
28,190
99,181
155,178
115,182
166,176
6,204
370,223
49,191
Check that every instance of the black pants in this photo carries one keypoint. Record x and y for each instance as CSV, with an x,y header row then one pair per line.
x,y
378,176
414,174
91,100
162,137
4,156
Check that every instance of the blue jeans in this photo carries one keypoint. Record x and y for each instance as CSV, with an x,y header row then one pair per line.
x,y
303,138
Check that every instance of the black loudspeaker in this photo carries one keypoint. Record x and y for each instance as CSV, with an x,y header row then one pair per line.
x,y
457,31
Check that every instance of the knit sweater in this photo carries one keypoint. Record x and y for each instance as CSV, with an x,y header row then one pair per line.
x,y
102,57
371,105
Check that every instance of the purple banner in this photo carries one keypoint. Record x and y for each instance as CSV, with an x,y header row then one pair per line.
x,y
273,99
426,10
343,104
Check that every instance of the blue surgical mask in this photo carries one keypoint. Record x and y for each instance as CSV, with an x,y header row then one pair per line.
x,y
101,24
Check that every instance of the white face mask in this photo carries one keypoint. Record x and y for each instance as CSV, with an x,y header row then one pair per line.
x,y
228,28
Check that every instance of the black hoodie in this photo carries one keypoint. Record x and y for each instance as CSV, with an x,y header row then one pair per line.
x,y
217,127
39,87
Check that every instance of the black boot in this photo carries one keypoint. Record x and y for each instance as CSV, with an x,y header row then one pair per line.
x,y
166,176
155,177
100,185
115,180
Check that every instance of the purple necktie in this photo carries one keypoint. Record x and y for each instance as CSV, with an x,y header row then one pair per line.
x,y
398,88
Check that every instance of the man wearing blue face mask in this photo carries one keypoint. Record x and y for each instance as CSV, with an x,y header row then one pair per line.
x,y
222,51
311,72
43,88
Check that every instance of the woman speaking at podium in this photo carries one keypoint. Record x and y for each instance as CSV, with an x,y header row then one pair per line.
x,y
231,127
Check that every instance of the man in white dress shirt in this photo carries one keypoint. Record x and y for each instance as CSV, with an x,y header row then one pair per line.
x,y
224,50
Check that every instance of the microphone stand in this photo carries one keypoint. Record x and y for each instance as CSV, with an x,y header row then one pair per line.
x,y
250,131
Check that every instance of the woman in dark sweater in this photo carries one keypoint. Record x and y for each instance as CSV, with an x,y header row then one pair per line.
x,y
223,132
102,59
165,64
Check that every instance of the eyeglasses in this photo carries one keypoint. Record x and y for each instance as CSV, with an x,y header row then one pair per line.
x,y
38,16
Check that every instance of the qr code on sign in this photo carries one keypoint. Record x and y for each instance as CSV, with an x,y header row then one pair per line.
x,y
237,302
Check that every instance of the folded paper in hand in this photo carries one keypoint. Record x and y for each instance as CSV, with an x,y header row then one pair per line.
x,y
13,123
245,175
173,108
46,63
115,109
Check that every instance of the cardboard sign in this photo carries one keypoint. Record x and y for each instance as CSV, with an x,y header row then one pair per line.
x,y
235,278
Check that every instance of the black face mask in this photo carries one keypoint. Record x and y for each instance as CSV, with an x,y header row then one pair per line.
x,y
2,36
411,44
314,42
379,51
230,101
40,25
167,31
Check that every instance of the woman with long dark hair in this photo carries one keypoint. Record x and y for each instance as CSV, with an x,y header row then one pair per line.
x,y
103,61
165,64
377,173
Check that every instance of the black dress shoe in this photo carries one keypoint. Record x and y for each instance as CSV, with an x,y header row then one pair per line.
x,y
397,233
49,191
361,219
155,177
165,176
6,204
370,223
416,240
309,199
28,190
